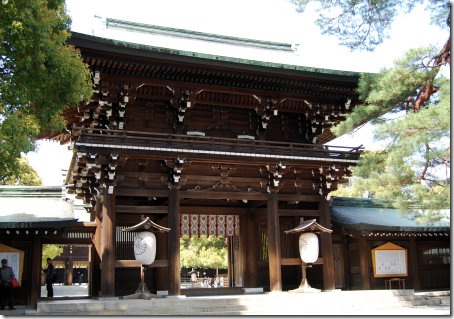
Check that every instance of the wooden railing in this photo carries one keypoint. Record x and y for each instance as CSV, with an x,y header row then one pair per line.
x,y
134,140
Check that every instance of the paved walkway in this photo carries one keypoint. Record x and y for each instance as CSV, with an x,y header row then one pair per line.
x,y
362,310
59,291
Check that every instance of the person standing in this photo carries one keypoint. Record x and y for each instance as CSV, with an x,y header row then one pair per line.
x,y
6,292
193,277
50,271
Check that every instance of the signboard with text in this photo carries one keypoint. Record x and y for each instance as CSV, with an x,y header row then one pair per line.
x,y
389,260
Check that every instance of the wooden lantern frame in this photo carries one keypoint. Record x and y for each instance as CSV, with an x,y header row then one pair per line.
x,y
146,224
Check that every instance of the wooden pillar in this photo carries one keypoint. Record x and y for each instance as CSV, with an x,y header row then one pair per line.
x,y
108,246
364,262
231,262
274,243
174,242
35,284
95,253
68,272
326,247
161,274
249,250
413,262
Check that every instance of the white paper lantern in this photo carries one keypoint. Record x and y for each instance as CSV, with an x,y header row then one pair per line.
x,y
145,248
308,244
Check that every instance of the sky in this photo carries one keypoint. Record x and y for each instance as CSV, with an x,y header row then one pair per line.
x,y
269,20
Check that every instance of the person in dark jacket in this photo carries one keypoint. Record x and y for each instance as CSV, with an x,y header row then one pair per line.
x,y
50,271
6,292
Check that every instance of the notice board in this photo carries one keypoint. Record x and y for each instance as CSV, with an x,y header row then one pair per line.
x,y
15,259
390,260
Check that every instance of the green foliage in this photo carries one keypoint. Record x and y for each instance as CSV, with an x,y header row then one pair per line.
x,y
16,136
40,75
389,90
363,24
26,175
50,251
203,252
414,169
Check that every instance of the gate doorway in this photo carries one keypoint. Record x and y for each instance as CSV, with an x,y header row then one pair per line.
x,y
210,251
204,262
72,265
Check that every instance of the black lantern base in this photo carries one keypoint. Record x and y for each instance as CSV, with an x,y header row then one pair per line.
x,y
304,285
142,291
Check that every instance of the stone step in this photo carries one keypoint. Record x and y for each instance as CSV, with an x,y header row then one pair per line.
x,y
283,303
434,293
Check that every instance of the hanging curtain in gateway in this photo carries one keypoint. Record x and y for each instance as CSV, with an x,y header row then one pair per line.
x,y
209,225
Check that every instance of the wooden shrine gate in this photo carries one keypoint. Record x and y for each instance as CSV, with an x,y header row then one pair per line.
x,y
168,134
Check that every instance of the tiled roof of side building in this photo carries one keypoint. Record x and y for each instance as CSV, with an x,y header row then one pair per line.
x,y
34,206
367,214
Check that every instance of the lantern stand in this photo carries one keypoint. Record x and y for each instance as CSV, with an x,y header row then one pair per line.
x,y
306,228
146,224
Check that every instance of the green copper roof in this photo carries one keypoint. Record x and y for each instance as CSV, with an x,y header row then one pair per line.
x,y
371,215
98,41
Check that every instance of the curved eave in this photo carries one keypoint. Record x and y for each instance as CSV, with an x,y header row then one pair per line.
x,y
370,228
50,224
308,226
147,51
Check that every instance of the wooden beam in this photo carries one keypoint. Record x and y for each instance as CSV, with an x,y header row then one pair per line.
x,y
134,264
132,209
299,212
298,197
143,210
69,241
202,194
141,192
298,262
199,194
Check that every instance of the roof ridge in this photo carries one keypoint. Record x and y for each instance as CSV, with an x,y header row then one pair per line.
x,y
360,202
185,33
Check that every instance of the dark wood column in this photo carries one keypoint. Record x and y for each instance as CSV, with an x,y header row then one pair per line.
x,y
69,266
364,262
108,246
174,242
35,285
326,247
95,252
249,249
274,242
413,262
